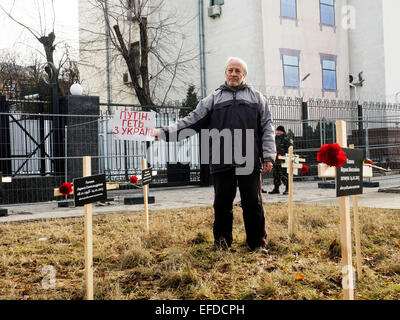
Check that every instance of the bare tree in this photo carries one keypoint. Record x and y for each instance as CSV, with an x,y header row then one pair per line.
x,y
148,39
20,78
69,71
44,34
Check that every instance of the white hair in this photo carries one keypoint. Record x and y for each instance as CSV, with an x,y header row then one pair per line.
x,y
241,61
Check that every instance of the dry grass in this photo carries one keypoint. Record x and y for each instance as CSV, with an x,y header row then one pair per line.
x,y
173,261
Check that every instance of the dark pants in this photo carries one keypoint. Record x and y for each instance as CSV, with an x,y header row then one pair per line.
x,y
225,185
280,175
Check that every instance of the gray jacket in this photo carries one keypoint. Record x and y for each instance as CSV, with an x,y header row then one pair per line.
x,y
239,109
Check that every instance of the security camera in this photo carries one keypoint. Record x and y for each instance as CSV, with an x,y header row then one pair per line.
x,y
360,79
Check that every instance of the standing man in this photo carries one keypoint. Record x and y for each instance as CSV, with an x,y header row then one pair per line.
x,y
232,111
280,174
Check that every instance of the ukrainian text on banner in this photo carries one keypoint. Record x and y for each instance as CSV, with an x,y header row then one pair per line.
x,y
133,125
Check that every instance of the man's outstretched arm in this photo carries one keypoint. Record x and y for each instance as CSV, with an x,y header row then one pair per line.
x,y
195,121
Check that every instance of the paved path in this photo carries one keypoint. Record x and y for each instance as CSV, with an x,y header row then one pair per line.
x,y
170,198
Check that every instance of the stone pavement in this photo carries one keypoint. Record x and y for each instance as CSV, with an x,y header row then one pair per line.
x,y
174,198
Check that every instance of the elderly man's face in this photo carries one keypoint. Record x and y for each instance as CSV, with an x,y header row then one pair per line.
x,y
234,74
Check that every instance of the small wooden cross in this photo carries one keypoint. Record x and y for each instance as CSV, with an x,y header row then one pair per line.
x,y
292,165
295,162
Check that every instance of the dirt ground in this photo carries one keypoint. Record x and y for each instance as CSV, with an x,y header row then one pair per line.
x,y
45,259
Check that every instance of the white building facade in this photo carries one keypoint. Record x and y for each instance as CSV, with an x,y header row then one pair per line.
x,y
302,48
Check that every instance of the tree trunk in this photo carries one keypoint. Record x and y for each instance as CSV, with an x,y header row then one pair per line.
x,y
48,45
142,91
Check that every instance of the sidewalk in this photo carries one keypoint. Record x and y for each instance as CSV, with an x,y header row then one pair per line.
x,y
174,198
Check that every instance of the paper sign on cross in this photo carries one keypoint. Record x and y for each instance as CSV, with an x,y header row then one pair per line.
x,y
292,165
325,171
133,125
109,186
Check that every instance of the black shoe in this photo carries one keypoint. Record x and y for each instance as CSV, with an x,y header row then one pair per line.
x,y
286,191
275,191
264,191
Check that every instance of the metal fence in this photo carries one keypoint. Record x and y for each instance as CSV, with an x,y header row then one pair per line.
x,y
40,150
120,157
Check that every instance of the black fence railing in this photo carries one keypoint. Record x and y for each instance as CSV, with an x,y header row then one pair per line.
x,y
40,149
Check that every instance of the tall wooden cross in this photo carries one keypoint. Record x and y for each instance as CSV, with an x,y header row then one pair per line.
x,y
88,220
325,171
292,165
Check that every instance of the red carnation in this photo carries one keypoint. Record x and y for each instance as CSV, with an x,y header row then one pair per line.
x,y
65,188
332,155
304,169
133,180
368,162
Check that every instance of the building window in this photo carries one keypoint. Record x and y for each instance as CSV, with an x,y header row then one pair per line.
x,y
289,9
216,2
291,71
327,12
135,49
329,73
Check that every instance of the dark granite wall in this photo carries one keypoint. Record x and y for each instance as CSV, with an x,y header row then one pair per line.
x,y
83,132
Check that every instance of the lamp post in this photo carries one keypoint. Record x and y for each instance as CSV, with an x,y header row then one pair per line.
x,y
53,72
76,89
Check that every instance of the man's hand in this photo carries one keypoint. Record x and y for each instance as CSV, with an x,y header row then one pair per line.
x,y
267,167
156,133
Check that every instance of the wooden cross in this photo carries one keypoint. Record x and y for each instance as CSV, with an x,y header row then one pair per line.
x,y
3,212
292,164
87,171
110,186
88,223
325,171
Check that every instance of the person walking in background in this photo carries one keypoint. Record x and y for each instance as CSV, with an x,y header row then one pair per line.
x,y
280,175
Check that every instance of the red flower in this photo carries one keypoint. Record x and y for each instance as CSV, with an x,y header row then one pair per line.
x,y
304,169
133,180
368,162
332,155
65,188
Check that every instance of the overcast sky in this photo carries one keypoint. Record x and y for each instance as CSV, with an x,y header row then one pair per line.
x,y
16,39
